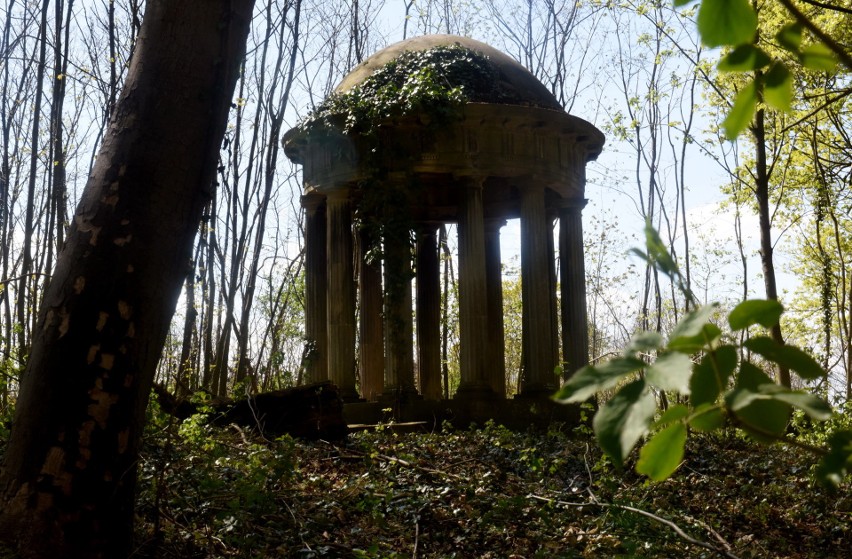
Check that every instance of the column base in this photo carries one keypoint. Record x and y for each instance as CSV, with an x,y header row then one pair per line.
x,y
350,396
537,392
399,396
475,391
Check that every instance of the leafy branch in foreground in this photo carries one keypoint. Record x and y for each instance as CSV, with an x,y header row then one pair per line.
x,y
733,24
716,384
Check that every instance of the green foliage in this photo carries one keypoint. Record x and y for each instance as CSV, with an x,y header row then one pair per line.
x,y
733,24
699,361
742,111
435,82
752,313
624,419
663,453
380,493
726,22
214,484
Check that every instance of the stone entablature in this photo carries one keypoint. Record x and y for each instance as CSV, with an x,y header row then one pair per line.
x,y
491,141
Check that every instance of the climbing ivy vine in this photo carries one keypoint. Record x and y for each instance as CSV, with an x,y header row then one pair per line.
x,y
435,82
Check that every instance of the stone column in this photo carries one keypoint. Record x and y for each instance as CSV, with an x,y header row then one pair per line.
x,y
428,312
371,350
538,358
315,288
572,270
341,294
494,279
399,327
473,304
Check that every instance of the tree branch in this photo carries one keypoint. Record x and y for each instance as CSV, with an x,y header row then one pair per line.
x,y
806,22
828,6
721,549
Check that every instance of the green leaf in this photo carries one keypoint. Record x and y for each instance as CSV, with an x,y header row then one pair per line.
x,y
744,58
778,87
658,252
661,456
711,375
694,331
674,413
763,419
670,371
755,311
643,342
685,344
589,380
815,407
641,254
726,22
742,112
818,57
790,37
679,3
693,323
751,377
786,356
706,418
838,462
624,419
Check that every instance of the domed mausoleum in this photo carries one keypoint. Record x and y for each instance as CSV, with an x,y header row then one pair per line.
x,y
508,150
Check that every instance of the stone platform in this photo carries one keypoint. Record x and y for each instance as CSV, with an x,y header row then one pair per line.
x,y
516,413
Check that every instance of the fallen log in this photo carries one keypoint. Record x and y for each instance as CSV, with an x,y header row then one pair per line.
x,y
313,411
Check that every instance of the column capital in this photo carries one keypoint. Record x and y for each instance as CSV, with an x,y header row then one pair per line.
x,y
528,186
312,201
471,181
494,224
340,193
577,204
427,227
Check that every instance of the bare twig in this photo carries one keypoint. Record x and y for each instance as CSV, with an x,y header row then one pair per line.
x,y
828,6
416,535
398,461
721,550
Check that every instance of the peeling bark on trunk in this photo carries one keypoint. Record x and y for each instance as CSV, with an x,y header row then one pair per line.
x,y
67,483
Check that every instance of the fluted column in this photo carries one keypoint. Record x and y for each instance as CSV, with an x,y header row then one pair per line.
x,y
341,295
494,280
371,351
572,270
473,305
315,288
428,312
538,358
399,327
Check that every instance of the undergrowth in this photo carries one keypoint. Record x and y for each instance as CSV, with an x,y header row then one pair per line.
x,y
484,493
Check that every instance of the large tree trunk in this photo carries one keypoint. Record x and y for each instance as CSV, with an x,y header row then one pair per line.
x,y
67,483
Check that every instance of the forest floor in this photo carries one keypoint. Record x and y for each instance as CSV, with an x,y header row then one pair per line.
x,y
481,493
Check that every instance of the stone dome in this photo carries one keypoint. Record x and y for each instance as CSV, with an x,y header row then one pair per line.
x,y
517,84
